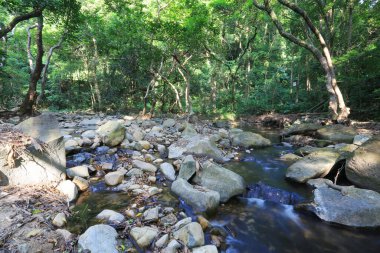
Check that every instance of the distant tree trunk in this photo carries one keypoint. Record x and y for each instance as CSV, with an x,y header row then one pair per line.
x,y
350,16
337,105
45,70
35,75
96,82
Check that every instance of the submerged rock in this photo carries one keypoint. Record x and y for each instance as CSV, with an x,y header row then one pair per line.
x,y
266,192
201,199
249,140
214,177
317,164
349,206
363,167
99,239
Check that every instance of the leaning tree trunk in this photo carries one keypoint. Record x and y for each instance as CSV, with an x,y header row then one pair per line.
x,y
31,95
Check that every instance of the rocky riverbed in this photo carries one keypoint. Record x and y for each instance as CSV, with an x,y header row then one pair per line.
x,y
134,184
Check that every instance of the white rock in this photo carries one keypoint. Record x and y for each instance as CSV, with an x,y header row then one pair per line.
x,y
144,236
111,216
99,239
162,241
80,171
151,214
69,189
114,178
168,170
59,220
147,167
206,249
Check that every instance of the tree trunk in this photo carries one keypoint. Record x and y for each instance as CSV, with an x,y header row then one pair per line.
x,y
96,82
45,70
35,75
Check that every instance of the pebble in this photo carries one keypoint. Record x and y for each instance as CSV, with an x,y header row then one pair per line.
x,y
59,220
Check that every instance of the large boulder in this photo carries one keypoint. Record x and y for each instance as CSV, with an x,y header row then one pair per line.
x,y
112,133
249,140
317,164
201,199
337,133
188,168
363,167
349,206
214,177
44,166
99,239
304,128
202,146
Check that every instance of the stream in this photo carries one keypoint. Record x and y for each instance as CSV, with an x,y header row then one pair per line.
x,y
251,225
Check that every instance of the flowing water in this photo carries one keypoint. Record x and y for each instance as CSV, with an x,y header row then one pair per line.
x,y
251,225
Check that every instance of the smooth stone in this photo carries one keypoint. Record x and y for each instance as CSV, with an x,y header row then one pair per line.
x,y
65,234
204,200
59,220
99,239
160,243
140,145
81,183
317,164
191,235
112,133
80,171
168,123
147,167
337,133
69,189
303,129
188,168
182,223
91,134
113,178
151,214
226,182
172,247
144,236
168,170
168,220
249,140
360,139
363,167
111,216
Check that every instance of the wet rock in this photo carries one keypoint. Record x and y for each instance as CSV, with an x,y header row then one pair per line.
x,y
203,222
214,177
146,167
223,133
200,199
303,128
349,206
114,178
168,170
45,168
266,192
318,182
112,133
191,235
222,124
81,183
188,168
317,164
69,189
363,167
144,236
80,171
111,216
337,133
206,249
151,214
59,220
99,239
249,140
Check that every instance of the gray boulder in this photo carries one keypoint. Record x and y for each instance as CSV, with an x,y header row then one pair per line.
x,y
147,167
188,168
314,165
44,167
168,123
349,206
99,239
168,170
144,236
303,128
201,199
189,130
337,133
112,133
249,140
191,235
363,167
204,147
214,177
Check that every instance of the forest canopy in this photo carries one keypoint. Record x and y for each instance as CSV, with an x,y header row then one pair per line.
x,y
212,57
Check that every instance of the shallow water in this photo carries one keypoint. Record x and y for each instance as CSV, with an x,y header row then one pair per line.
x,y
252,225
